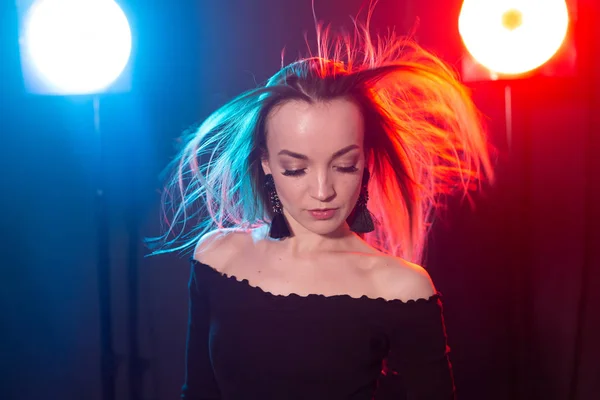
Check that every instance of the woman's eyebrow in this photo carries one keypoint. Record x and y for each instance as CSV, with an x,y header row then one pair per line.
x,y
343,151
335,155
292,154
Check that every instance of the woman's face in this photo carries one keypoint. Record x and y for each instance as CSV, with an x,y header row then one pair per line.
x,y
316,157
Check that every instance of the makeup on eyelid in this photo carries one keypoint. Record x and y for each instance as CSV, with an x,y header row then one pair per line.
x,y
300,171
344,164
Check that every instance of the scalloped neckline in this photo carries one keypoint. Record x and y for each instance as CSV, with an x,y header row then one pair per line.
x,y
364,297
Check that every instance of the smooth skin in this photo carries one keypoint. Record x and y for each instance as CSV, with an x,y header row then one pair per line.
x,y
316,157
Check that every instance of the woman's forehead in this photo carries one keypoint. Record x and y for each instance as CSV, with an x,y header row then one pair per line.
x,y
324,126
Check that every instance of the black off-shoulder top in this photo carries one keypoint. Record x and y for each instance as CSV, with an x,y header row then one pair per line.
x,y
245,343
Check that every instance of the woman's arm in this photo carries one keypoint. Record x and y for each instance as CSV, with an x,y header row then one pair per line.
x,y
200,383
418,366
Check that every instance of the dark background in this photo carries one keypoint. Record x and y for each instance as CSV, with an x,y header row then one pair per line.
x,y
520,273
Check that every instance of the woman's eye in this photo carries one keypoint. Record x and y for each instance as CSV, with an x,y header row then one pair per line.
x,y
347,169
293,172
302,171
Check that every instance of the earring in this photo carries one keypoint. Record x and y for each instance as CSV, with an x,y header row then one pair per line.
x,y
360,220
279,227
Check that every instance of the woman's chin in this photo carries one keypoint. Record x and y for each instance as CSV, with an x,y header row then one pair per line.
x,y
331,227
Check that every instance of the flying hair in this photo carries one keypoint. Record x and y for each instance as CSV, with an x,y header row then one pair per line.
x,y
424,142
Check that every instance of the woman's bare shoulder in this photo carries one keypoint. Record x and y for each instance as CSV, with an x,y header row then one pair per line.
x,y
218,247
398,279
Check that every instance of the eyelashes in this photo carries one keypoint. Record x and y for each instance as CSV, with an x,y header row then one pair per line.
x,y
300,172
348,170
293,172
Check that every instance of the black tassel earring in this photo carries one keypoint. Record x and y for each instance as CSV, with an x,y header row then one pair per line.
x,y
360,220
279,227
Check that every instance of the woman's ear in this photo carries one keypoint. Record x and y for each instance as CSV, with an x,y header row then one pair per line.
x,y
265,165
264,161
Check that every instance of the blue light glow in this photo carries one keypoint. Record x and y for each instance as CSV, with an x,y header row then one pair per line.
x,y
77,46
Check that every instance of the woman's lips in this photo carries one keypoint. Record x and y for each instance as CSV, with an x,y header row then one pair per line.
x,y
322,213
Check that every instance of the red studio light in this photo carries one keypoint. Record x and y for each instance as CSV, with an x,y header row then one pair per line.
x,y
512,37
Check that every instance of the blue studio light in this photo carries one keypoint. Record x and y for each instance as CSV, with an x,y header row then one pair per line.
x,y
74,46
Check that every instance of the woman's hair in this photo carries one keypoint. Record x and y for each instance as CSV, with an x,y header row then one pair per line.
x,y
423,141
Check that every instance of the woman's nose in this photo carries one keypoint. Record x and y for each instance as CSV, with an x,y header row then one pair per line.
x,y
322,188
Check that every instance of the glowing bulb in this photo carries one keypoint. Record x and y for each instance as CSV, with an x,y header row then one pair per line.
x,y
513,36
77,46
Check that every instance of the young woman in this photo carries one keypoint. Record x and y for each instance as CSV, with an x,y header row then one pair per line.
x,y
308,202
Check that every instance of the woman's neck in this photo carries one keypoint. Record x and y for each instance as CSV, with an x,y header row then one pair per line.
x,y
304,242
